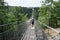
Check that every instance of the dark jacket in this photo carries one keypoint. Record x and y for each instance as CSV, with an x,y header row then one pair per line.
x,y
32,21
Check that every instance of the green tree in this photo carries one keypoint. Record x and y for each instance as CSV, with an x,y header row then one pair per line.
x,y
51,11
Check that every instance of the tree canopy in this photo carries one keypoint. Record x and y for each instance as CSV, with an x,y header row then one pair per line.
x,y
50,14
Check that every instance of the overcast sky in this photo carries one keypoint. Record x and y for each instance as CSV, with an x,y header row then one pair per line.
x,y
25,3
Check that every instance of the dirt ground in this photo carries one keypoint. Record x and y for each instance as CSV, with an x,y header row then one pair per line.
x,y
52,33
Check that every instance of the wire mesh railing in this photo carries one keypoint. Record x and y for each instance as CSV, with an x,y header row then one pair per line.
x,y
12,31
40,34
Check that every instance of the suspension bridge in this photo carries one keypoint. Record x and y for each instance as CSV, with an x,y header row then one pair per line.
x,y
25,31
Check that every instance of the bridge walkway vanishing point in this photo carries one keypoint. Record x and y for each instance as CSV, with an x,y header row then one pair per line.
x,y
30,33
33,33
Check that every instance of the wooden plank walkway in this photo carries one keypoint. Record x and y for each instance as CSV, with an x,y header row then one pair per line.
x,y
30,34
34,33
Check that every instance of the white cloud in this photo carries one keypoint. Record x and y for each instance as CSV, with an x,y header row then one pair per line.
x,y
26,3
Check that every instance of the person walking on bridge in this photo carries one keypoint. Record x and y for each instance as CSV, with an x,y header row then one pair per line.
x,y
32,22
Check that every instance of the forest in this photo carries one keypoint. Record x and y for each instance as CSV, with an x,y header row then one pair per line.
x,y
49,13
13,20
13,16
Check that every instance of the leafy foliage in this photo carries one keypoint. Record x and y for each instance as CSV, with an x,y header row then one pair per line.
x,y
9,15
50,14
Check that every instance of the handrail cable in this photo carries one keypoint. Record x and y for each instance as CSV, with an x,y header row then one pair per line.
x,y
51,28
